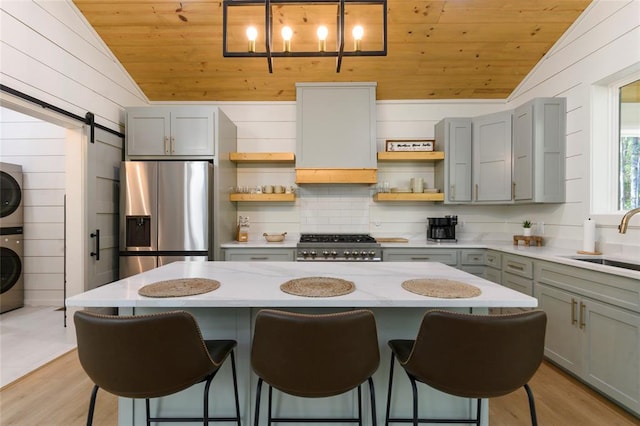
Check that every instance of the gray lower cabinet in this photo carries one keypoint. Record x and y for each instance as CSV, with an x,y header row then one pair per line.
x,y
593,328
472,261
493,266
468,260
446,256
259,254
517,273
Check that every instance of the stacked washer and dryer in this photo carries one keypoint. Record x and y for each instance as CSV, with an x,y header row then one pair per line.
x,y
11,241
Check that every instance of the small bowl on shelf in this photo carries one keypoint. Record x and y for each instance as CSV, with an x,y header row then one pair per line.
x,y
274,238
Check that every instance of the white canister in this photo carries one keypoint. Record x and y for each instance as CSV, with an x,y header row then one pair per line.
x,y
417,185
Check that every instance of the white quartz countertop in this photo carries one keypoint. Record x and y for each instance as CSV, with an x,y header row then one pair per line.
x,y
257,284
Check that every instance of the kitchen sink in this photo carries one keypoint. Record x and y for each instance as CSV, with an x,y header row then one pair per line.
x,y
609,262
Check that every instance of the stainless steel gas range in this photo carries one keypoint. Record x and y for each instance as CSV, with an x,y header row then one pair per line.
x,y
338,247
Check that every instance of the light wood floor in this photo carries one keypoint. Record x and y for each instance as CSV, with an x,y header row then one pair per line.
x,y
58,394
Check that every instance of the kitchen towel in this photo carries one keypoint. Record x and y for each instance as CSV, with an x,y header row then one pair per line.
x,y
589,238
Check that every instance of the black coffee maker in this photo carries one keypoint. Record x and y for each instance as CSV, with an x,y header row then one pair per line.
x,y
442,229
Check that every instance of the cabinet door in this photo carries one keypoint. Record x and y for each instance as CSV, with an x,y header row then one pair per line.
x,y
192,131
148,131
492,157
563,337
612,349
453,135
539,141
523,152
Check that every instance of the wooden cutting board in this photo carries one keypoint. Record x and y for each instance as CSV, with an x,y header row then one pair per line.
x,y
392,240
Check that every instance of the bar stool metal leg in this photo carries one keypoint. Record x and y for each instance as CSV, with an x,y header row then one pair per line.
x,y
386,420
92,405
532,405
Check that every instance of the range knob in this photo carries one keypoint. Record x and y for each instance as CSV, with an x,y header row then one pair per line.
x,y
305,253
363,253
313,253
372,253
334,253
325,253
347,253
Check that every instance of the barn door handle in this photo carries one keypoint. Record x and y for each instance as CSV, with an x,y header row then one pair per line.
x,y
96,253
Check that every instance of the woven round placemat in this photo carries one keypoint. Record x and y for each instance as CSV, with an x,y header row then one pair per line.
x,y
442,288
179,287
318,287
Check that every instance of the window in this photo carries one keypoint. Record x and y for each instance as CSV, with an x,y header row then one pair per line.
x,y
629,146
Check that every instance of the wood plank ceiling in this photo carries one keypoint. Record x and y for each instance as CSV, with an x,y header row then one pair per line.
x,y
455,49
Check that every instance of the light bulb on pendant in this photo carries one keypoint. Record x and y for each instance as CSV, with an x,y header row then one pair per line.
x,y
357,32
252,34
287,33
323,32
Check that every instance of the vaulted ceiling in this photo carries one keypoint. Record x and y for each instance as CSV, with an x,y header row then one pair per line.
x,y
455,49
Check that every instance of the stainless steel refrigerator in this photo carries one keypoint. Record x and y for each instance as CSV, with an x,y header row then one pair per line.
x,y
165,213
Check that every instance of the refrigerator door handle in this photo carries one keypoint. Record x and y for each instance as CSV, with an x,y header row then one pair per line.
x,y
96,253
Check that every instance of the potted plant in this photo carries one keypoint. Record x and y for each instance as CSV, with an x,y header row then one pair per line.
x,y
526,228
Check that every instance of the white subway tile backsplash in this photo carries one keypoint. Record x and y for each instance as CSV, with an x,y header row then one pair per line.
x,y
334,208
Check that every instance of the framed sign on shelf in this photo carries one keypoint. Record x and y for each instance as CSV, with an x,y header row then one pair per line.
x,y
397,145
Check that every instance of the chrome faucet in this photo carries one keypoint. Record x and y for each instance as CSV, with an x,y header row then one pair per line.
x,y
622,228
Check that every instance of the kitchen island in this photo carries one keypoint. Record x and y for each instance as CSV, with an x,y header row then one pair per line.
x,y
246,287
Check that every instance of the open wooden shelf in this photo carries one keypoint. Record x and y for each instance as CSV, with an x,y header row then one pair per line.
x,y
408,196
336,176
411,156
262,157
263,197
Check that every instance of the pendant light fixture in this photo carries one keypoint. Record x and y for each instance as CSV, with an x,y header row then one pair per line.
x,y
298,29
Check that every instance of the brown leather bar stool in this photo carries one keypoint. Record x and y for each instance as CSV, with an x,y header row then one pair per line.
x,y
471,356
151,356
315,356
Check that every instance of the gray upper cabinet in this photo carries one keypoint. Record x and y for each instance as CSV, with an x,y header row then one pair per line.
x,y
505,158
492,157
539,140
336,125
185,132
453,175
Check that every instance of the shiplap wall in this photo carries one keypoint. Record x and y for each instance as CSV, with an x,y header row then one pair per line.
x,y
40,148
51,53
601,47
